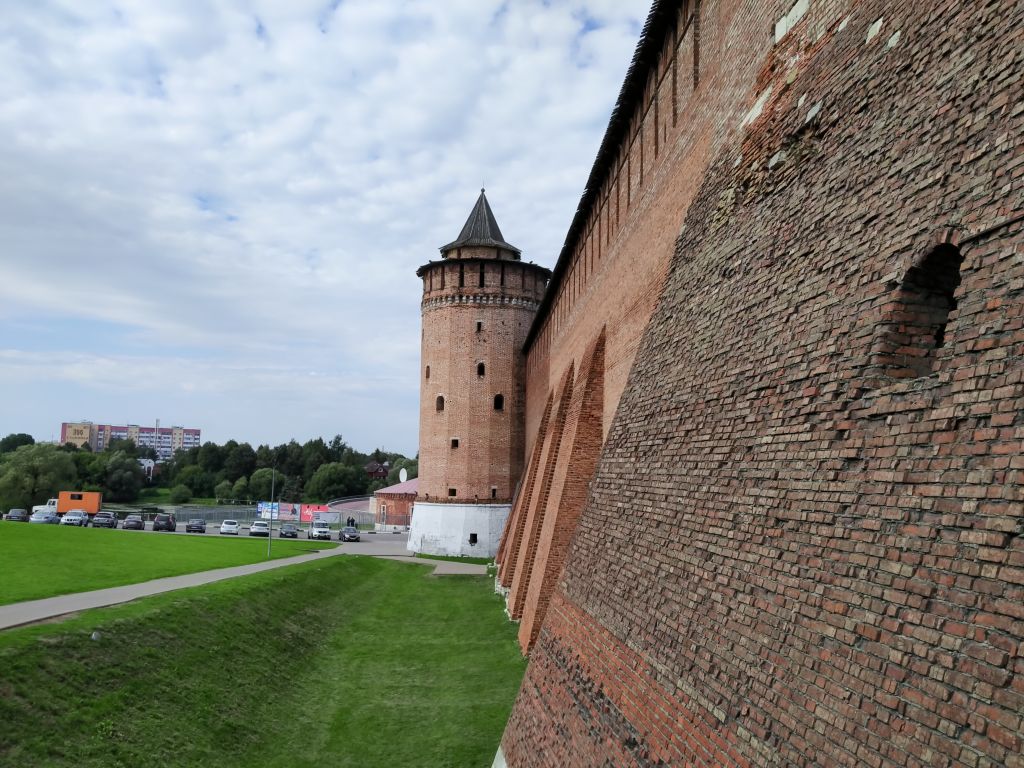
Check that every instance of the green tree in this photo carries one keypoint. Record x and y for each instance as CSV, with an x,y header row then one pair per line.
x,y
224,490
264,457
34,473
260,484
127,446
211,458
124,478
412,466
239,462
198,481
291,489
335,480
181,494
92,469
240,490
314,454
14,441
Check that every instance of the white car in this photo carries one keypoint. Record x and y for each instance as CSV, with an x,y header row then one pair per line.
x,y
229,526
75,517
259,528
319,531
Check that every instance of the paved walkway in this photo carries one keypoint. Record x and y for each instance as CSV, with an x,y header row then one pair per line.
x,y
32,611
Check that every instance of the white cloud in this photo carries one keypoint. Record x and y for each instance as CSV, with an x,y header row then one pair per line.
x,y
191,189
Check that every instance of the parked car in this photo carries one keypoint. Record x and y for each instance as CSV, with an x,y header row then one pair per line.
x,y
195,525
289,531
319,530
104,520
165,522
77,517
259,528
229,526
134,523
348,533
45,516
18,515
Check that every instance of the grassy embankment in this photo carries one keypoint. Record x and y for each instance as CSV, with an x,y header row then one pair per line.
x,y
44,560
345,662
457,559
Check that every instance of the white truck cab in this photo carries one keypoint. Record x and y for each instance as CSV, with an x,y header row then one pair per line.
x,y
49,506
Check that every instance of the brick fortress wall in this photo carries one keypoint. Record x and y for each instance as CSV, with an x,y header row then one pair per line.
x,y
610,274
803,542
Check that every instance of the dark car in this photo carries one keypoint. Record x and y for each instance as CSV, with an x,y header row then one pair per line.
x,y
165,522
195,525
348,533
18,515
289,531
104,520
134,523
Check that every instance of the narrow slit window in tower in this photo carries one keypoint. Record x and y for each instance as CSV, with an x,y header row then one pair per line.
x,y
481,275
462,275
451,492
455,442
479,326
480,369
499,402
503,275
440,403
428,372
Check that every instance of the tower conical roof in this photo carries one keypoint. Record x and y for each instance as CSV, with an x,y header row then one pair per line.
x,y
481,228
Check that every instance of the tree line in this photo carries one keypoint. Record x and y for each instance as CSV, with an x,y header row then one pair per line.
x,y
313,472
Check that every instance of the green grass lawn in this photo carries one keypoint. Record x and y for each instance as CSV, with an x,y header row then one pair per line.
x,y
350,661
45,560
456,559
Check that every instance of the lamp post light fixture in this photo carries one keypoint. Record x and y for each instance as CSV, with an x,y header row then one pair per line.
x,y
270,532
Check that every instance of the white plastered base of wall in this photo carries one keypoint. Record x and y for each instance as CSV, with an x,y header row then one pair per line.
x,y
445,529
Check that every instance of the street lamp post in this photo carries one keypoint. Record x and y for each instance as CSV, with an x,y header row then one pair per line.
x,y
270,533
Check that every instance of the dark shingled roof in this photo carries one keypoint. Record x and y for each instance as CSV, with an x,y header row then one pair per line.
x,y
481,228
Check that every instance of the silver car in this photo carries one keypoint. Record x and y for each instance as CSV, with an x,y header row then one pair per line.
x,y
319,531
47,517
75,517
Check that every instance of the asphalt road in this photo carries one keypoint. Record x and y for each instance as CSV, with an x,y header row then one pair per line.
x,y
373,544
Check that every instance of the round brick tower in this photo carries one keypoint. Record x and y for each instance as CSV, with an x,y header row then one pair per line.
x,y
479,300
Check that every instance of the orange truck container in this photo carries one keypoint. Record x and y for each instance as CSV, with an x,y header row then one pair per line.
x,y
89,501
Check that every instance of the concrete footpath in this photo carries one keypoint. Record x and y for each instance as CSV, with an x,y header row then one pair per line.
x,y
33,611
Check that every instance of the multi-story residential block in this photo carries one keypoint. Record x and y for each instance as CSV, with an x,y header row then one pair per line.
x,y
164,440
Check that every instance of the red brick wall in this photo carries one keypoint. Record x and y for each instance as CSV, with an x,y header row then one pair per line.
x,y
491,448
580,444
616,268
398,508
792,553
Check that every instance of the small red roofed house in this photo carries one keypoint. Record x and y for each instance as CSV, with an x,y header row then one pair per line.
x,y
392,506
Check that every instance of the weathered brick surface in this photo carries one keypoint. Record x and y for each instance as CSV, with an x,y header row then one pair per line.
x,y
466,323
581,438
537,505
802,546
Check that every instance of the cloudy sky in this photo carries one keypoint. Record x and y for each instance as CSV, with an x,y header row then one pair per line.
x,y
211,212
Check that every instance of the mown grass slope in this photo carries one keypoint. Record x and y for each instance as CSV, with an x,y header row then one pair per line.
x,y
349,661
39,561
